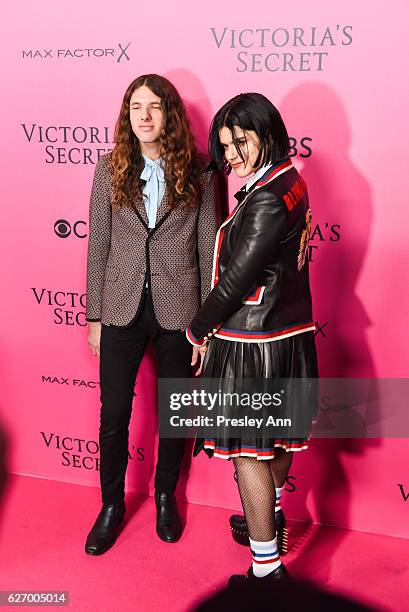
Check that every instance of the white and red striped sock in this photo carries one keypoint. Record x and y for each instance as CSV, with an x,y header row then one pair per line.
x,y
266,557
279,491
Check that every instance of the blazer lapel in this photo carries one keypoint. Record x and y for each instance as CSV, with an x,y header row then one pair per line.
x,y
163,211
163,206
142,211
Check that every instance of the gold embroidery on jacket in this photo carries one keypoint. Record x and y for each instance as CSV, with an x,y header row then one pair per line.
x,y
305,237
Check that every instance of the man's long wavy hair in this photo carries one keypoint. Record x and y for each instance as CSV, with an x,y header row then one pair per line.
x,y
183,163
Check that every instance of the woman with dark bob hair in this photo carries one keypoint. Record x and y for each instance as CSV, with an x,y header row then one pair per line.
x,y
257,320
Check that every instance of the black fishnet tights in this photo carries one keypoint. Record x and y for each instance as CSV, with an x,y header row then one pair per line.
x,y
257,481
280,466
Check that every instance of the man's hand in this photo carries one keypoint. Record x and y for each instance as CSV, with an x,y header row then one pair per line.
x,y
94,337
198,353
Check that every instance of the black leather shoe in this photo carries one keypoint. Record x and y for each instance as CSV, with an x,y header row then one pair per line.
x,y
104,532
281,573
238,526
240,532
168,523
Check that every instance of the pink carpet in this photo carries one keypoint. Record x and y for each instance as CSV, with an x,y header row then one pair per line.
x,y
44,524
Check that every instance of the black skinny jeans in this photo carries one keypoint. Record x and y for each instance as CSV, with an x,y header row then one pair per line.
x,y
122,349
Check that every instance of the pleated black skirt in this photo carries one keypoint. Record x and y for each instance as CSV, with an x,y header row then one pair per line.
x,y
293,357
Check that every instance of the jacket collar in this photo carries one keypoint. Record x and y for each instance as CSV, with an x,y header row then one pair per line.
x,y
263,176
256,176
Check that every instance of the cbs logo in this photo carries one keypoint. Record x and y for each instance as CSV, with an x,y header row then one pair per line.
x,y
63,228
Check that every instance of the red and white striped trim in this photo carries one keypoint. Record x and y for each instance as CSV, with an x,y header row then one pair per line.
x,y
216,253
194,340
276,172
240,336
259,455
256,297
271,559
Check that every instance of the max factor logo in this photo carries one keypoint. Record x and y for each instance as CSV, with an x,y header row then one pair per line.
x,y
119,53
70,382
63,228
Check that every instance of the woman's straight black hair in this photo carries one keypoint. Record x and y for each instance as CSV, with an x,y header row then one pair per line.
x,y
250,111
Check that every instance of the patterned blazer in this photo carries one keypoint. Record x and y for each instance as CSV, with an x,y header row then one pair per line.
x,y
123,253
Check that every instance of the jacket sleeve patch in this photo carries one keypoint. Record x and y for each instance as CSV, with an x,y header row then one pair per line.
x,y
296,193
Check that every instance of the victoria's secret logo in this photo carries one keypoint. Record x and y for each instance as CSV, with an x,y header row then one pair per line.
x,y
67,307
80,453
322,233
66,144
282,49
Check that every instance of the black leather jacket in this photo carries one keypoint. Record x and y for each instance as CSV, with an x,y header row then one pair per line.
x,y
260,282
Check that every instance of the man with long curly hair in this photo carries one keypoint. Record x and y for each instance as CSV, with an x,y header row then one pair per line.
x,y
153,223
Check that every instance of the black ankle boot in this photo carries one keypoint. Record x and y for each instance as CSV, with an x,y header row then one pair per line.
x,y
104,532
168,522
280,573
238,526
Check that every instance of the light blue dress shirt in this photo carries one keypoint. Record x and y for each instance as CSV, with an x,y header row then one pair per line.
x,y
154,187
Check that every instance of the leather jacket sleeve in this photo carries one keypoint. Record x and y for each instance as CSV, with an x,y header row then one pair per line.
x,y
262,228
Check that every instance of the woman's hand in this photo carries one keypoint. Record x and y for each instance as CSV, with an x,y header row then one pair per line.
x,y
94,337
198,353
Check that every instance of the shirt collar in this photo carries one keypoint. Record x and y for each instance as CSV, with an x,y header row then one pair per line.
x,y
261,173
241,194
152,170
152,162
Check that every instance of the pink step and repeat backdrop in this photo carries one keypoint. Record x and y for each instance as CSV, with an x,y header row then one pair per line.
x,y
338,75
